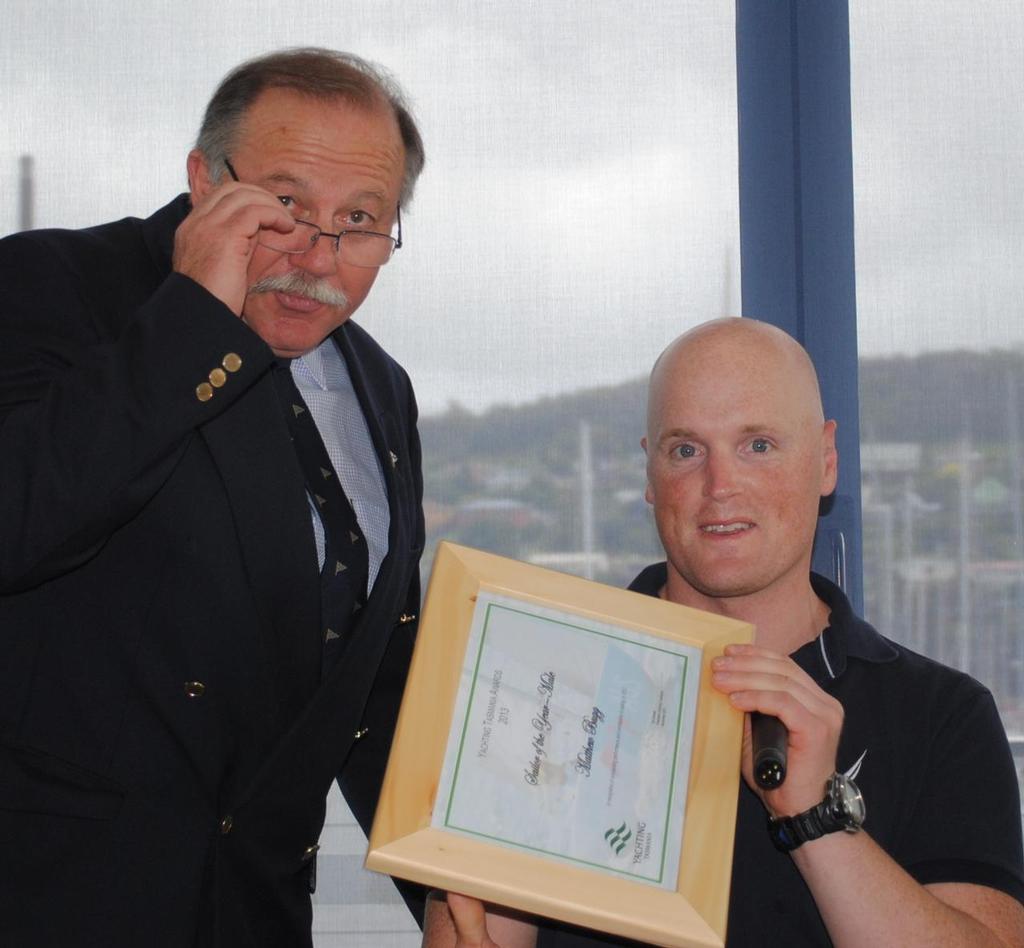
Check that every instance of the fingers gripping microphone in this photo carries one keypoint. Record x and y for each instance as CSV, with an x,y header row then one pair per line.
x,y
769,739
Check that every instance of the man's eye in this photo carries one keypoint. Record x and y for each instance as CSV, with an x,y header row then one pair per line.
x,y
359,219
760,445
686,451
287,200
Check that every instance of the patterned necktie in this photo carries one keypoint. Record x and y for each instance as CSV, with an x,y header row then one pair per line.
x,y
345,571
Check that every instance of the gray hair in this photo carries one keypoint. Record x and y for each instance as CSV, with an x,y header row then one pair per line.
x,y
320,73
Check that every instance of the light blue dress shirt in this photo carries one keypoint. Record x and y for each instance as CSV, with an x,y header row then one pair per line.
x,y
323,380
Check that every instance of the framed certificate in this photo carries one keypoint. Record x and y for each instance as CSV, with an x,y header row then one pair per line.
x,y
559,751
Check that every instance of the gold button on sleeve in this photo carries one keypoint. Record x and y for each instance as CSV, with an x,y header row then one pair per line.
x,y
195,689
226,825
232,362
204,391
218,377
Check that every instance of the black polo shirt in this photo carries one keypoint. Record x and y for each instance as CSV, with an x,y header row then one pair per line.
x,y
928,750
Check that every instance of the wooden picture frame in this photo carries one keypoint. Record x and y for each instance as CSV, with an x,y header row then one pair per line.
x,y
404,843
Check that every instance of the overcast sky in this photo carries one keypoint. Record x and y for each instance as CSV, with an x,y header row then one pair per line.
x,y
579,204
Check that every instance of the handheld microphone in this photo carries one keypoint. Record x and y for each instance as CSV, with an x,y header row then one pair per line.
x,y
769,740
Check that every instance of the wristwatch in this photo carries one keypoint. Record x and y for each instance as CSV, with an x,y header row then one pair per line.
x,y
842,809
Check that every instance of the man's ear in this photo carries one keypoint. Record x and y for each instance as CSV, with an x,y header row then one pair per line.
x,y
648,491
830,458
200,182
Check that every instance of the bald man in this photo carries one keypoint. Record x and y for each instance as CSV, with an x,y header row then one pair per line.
x,y
739,455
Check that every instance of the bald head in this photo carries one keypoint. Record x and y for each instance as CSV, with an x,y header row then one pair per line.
x,y
738,458
741,349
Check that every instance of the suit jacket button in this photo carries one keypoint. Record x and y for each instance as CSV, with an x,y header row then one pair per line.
x,y
406,617
310,852
360,734
195,689
218,377
204,391
226,825
232,362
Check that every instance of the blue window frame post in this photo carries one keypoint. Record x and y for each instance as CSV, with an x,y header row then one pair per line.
x,y
796,223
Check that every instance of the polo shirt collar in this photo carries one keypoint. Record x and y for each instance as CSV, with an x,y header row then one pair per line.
x,y
846,636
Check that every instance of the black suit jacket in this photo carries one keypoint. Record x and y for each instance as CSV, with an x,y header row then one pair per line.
x,y
166,743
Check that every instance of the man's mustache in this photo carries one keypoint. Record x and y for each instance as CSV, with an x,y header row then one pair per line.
x,y
298,283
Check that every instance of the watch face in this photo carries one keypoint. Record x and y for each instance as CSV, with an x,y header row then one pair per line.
x,y
846,802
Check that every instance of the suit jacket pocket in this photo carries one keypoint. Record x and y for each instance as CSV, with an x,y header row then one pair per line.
x,y
34,782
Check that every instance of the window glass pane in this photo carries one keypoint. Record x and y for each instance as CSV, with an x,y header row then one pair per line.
x,y
579,209
937,131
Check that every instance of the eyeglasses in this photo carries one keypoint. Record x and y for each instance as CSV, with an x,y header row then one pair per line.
x,y
360,248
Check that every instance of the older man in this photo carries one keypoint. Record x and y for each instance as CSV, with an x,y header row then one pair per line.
x,y
211,495
738,456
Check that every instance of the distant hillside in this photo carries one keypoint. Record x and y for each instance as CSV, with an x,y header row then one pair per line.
x,y
545,430
940,396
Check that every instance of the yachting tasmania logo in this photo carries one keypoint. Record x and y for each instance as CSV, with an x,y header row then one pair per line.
x,y
617,838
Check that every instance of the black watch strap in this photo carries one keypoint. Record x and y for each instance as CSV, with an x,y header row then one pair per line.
x,y
842,809
790,832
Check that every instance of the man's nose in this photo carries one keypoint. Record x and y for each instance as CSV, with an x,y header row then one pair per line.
x,y
320,260
721,475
